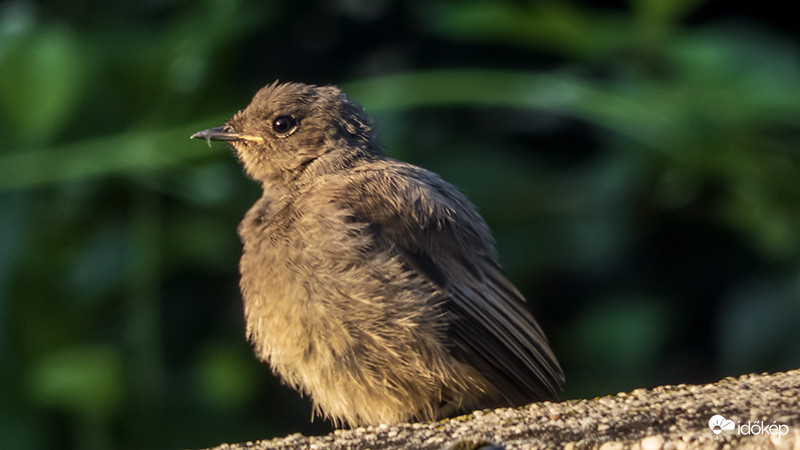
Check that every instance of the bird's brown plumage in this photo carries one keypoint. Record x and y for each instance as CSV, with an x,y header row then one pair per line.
x,y
369,284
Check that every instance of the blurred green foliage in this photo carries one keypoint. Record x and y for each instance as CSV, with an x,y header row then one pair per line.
x,y
638,162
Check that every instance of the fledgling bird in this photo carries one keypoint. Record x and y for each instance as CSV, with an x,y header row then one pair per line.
x,y
369,284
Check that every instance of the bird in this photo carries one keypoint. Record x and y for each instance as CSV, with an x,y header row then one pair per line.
x,y
369,284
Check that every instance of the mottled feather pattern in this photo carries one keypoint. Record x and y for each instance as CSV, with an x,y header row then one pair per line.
x,y
372,285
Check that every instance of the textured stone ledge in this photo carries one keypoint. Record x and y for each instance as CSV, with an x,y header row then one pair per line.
x,y
667,417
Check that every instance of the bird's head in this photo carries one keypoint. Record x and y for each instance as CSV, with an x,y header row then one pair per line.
x,y
287,126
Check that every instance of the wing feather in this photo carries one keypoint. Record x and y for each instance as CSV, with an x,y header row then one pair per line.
x,y
440,235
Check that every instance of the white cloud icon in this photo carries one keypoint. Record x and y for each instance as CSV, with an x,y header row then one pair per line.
x,y
719,424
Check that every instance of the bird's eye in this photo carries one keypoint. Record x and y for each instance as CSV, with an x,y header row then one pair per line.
x,y
284,125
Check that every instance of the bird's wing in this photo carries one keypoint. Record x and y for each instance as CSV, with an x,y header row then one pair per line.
x,y
440,234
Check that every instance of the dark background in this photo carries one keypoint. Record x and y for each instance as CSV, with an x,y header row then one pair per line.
x,y
637,161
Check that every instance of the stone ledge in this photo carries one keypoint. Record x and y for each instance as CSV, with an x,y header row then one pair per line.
x,y
667,417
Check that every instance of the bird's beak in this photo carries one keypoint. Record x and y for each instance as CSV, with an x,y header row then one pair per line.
x,y
224,134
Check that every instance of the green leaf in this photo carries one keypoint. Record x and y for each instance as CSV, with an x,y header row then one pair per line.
x,y
41,81
86,380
